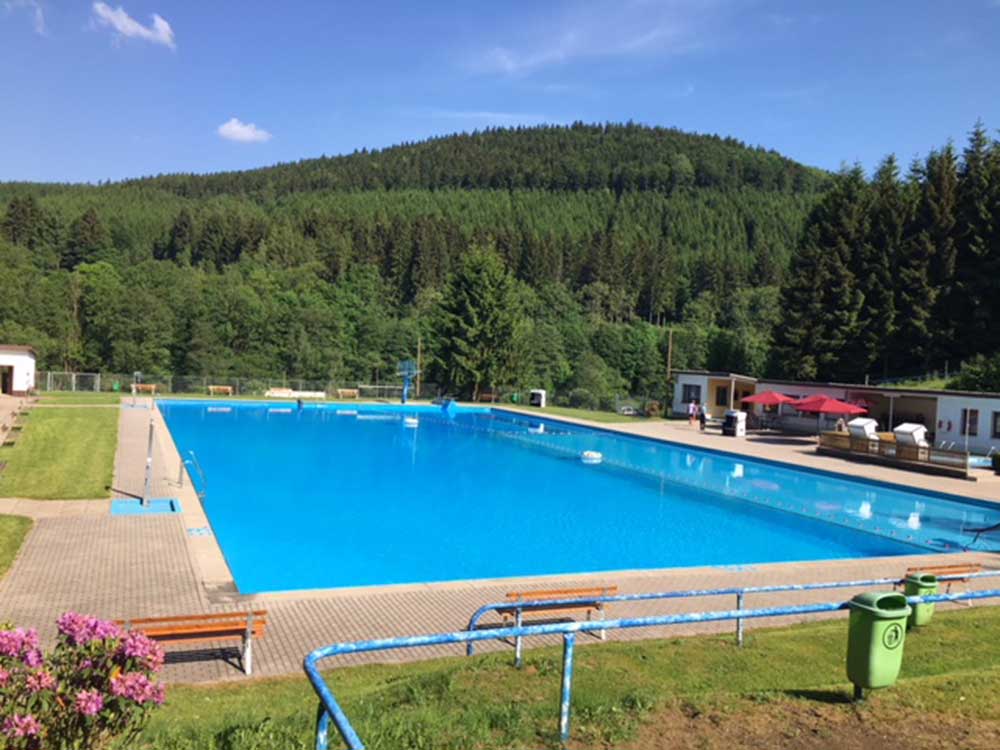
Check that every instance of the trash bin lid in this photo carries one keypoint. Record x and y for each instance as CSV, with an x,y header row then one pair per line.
x,y
882,605
922,579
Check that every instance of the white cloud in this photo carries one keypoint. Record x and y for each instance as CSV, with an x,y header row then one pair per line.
x,y
34,7
158,32
603,29
242,132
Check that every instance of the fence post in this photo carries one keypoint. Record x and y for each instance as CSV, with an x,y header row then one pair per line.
x,y
739,620
569,641
97,383
72,380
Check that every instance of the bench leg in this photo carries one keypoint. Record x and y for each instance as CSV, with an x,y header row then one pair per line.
x,y
603,633
247,656
518,641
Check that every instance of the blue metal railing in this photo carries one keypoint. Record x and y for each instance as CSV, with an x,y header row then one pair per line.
x,y
330,709
739,592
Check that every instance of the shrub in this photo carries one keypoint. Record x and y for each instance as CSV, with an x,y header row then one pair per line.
x,y
653,409
581,398
95,688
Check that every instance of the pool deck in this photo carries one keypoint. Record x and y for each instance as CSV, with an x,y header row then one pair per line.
x,y
80,557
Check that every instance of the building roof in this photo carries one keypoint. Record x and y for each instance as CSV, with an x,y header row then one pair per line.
x,y
18,349
716,374
883,389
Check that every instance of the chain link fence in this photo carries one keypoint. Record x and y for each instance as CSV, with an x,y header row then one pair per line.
x,y
211,385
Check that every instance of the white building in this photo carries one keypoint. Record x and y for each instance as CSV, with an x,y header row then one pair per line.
x,y
943,412
17,370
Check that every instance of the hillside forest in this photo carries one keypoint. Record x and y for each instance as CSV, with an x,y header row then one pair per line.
x,y
555,257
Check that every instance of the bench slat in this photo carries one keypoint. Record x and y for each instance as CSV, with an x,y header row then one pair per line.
x,y
526,596
204,630
239,616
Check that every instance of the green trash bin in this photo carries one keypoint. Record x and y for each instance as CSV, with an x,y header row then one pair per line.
x,y
920,584
875,636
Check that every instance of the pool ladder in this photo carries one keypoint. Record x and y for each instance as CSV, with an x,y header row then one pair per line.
x,y
189,462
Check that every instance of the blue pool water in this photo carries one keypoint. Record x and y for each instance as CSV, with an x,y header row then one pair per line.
x,y
332,496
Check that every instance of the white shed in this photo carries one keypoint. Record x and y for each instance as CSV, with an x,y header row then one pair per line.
x,y
17,370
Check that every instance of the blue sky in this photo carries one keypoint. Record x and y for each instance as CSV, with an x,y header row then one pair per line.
x,y
94,91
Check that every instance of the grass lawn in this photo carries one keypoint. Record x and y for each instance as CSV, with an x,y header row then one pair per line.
x,y
62,453
79,397
13,529
785,681
593,416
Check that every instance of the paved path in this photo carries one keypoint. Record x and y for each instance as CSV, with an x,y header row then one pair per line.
x,y
79,557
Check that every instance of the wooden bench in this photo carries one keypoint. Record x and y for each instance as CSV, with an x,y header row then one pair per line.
x,y
220,390
960,569
577,600
143,388
232,626
348,393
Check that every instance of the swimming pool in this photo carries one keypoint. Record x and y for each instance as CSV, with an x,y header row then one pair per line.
x,y
332,496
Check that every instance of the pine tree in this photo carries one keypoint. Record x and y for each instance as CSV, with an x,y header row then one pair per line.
x,y
479,323
915,291
87,240
878,262
936,218
971,305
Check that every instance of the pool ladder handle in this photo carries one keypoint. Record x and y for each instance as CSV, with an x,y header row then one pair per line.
x,y
193,461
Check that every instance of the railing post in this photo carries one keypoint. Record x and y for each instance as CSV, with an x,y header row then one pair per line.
x,y
322,728
569,642
518,640
739,620
180,471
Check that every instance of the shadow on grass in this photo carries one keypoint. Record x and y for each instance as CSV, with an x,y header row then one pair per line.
x,y
832,697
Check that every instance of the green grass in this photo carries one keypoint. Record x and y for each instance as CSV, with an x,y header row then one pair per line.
x,y
13,530
619,688
62,453
78,397
593,416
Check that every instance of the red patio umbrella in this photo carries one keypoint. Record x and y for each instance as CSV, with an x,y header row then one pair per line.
x,y
768,398
827,405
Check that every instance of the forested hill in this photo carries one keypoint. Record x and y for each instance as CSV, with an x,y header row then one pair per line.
x,y
579,157
332,268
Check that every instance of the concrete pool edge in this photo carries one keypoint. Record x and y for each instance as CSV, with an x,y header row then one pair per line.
x,y
209,562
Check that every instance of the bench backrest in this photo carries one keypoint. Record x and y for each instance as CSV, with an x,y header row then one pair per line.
x,y
947,570
534,596
234,623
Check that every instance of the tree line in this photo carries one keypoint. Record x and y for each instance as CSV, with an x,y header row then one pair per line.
x,y
596,240
895,274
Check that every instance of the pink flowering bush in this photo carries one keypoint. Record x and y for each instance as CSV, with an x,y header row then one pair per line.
x,y
94,690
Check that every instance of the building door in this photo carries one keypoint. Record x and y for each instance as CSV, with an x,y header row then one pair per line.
x,y
6,380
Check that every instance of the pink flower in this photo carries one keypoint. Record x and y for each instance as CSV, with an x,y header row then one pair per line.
x,y
89,702
81,629
14,643
40,680
21,726
137,687
4,676
146,651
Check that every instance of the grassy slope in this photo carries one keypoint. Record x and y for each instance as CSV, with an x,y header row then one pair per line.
x,y
485,703
13,530
79,397
593,416
62,453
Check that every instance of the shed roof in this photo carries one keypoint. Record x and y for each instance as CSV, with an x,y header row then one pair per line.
x,y
18,349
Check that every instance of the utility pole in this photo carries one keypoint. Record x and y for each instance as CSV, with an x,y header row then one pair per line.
x,y
670,351
420,342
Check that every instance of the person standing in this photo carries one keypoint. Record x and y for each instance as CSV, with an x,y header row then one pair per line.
x,y
692,412
703,416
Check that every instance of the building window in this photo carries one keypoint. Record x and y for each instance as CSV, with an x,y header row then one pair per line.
x,y
996,424
722,396
691,393
970,422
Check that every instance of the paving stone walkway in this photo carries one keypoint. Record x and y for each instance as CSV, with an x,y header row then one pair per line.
x,y
80,557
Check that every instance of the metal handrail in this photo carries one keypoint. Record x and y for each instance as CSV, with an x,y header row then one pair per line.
x,y
330,710
193,461
738,591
